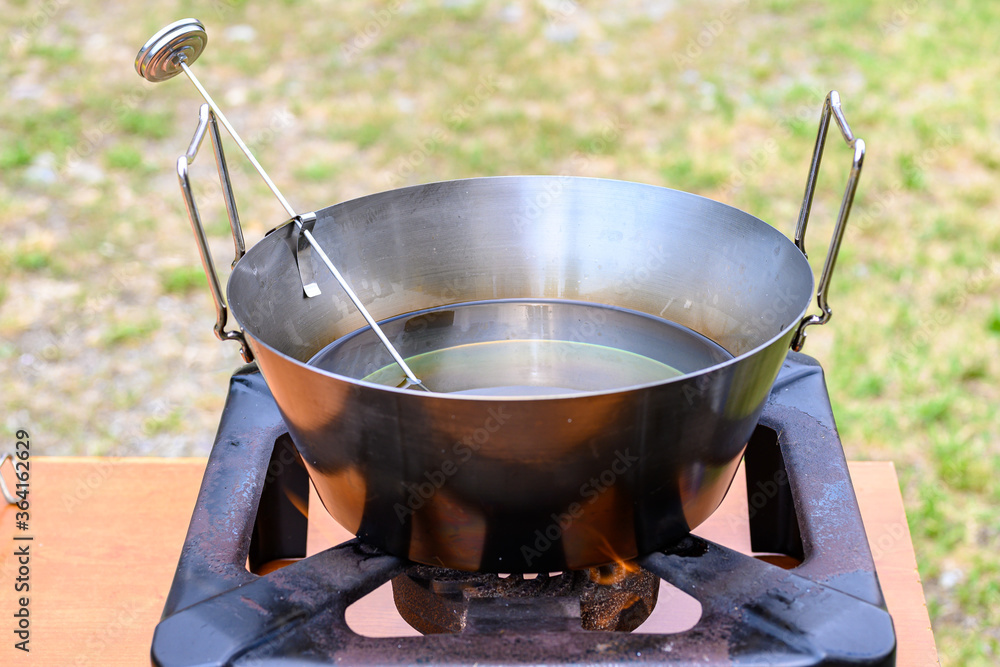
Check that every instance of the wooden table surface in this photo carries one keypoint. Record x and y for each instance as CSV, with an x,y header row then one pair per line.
x,y
106,535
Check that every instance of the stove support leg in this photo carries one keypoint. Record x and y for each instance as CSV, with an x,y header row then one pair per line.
x,y
217,545
774,527
282,525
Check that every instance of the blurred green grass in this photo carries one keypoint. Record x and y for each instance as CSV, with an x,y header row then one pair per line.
x,y
718,98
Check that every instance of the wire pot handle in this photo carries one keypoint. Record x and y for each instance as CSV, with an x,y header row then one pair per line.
x,y
831,107
165,55
206,121
9,497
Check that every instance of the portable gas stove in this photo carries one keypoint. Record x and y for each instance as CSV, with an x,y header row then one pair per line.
x,y
827,609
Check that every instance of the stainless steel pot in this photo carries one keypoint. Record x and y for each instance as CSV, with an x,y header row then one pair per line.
x,y
530,483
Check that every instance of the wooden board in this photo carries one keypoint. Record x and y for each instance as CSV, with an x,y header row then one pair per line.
x,y
107,534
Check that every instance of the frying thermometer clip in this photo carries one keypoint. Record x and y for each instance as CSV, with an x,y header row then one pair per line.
x,y
165,55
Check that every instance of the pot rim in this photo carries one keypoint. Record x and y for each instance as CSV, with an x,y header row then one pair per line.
x,y
783,333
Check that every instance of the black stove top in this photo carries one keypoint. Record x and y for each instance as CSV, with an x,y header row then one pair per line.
x,y
826,610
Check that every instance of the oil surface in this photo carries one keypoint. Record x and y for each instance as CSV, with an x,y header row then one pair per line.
x,y
524,348
526,368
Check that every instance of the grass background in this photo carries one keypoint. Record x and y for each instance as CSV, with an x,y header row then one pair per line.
x,y
105,322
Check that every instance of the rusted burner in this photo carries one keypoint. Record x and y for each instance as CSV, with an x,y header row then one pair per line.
x,y
617,597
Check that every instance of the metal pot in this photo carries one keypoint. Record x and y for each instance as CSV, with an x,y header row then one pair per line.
x,y
524,483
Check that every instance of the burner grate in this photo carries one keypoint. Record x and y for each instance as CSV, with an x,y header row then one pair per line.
x,y
613,598
827,610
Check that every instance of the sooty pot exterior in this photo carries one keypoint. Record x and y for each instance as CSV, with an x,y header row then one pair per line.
x,y
525,484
